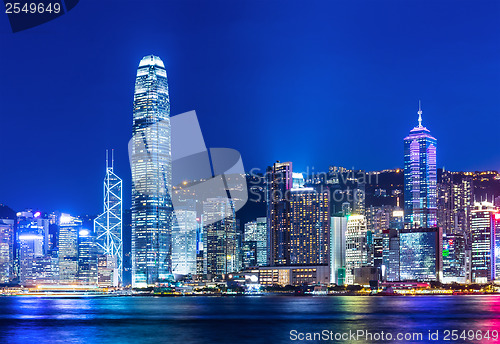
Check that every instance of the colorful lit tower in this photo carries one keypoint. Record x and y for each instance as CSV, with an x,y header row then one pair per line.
x,y
108,226
420,177
151,165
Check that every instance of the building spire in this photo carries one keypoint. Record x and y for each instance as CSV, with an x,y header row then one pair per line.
x,y
419,113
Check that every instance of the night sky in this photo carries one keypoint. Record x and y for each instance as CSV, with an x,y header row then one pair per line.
x,y
317,83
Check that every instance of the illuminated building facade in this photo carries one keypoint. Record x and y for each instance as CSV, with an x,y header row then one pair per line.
x,y
420,253
108,226
257,231
32,248
69,229
107,271
87,257
184,242
249,254
6,250
221,245
338,229
309,227
483,231
297,180
279,183
294,275
379,218
151,165
455,200
420,177
390,255
357,248
454,258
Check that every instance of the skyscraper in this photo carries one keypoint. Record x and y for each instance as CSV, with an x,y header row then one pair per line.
x,y
184,242
32,248
420,177
338,228
357,250
6,250
454,258
87,257
279,183
69,228
454,202
151,165
108,226
390,257
221,244
309,227
257,231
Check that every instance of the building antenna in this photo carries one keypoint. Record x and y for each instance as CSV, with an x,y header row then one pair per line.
x,y
112,159
419,113
107,163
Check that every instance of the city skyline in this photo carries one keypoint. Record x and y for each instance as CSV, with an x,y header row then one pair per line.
x,y
275,171
359,82
205,241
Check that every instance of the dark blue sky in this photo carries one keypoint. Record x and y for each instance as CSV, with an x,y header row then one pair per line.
x,y
317,83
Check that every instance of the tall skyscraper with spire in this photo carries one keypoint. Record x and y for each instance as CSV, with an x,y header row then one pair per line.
x,y
108,225
151,164
420,177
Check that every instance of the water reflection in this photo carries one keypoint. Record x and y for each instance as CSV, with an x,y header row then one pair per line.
x,y
236,319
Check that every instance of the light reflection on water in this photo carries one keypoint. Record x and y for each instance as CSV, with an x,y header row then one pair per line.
x,y
266,319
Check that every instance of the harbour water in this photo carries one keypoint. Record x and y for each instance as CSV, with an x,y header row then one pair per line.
x,y
259,319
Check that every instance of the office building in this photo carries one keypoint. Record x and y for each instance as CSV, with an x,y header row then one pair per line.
x,y
221,245
279,182
390,241
108,226
6,250
454,258
338,229
485,219
420,254
294,275
357,246
309,227
184,242
107,271
257,231
87,257
420,177
455,201
69,229
151,165
249,254
32,248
